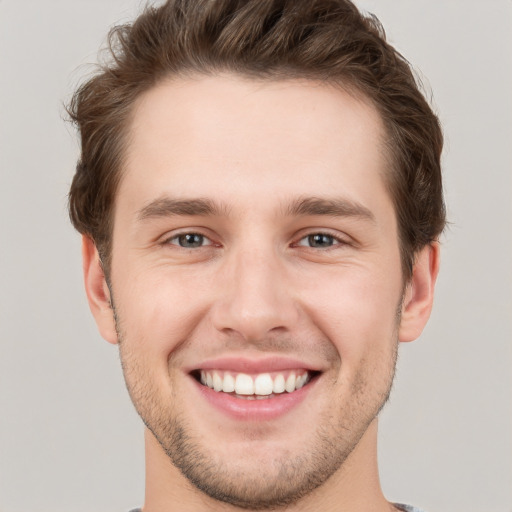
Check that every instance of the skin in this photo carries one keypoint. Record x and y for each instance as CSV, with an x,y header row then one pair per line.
x,y
257,287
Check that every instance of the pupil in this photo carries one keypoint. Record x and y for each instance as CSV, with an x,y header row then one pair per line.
x,y
320,240
191,240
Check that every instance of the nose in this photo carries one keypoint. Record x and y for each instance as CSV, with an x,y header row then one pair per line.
x,y
256,296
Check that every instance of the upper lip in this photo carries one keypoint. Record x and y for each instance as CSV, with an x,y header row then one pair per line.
x,y
253,365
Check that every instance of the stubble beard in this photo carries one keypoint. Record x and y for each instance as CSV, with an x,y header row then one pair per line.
x,y
291,477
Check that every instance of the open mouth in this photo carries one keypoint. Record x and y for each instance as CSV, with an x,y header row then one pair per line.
x,y
259,386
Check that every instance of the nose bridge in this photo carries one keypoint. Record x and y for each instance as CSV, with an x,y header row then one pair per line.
x,y
254,298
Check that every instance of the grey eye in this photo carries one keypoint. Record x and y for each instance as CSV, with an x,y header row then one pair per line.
x,y
320,240
190,240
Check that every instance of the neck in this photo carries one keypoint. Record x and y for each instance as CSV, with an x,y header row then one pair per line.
x,y
355,486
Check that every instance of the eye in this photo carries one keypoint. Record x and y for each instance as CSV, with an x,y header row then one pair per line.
x,y
190,240
318,241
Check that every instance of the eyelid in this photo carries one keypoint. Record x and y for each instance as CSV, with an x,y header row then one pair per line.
x,y
206,241
339,239
305,238
168,238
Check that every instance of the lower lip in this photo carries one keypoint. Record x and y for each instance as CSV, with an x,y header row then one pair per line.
x,y
255,410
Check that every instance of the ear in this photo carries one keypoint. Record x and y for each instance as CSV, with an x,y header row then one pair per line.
x,y
419,293
97,291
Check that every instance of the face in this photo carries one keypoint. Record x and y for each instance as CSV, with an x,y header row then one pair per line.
x,y
256,281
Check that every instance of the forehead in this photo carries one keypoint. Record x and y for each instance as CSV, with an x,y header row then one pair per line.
x,y
240,139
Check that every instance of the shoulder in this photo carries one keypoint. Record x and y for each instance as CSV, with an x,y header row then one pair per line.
x,y
406,508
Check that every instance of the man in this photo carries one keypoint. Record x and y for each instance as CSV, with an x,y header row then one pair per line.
x,y
260,199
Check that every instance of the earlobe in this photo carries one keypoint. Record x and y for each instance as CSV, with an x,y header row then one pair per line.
x,y
98,293
419,293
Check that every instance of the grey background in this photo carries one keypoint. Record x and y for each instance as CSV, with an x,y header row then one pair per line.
x,y
69,440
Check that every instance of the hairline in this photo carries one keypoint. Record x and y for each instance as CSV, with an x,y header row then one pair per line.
x,y
387,144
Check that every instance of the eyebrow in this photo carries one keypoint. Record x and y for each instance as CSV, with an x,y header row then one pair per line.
x,y
168,207
332,207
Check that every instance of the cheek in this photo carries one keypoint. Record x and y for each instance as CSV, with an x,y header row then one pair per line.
x,y
357,311
158,312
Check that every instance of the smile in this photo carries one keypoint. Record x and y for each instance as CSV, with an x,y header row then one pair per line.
x,y
254,387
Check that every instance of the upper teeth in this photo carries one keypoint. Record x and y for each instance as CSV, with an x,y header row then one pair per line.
x,y
261,384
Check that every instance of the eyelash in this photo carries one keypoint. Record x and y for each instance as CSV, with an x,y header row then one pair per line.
x,y
335,241
169,241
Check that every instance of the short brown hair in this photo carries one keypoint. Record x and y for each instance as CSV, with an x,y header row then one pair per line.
x,y
326,40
